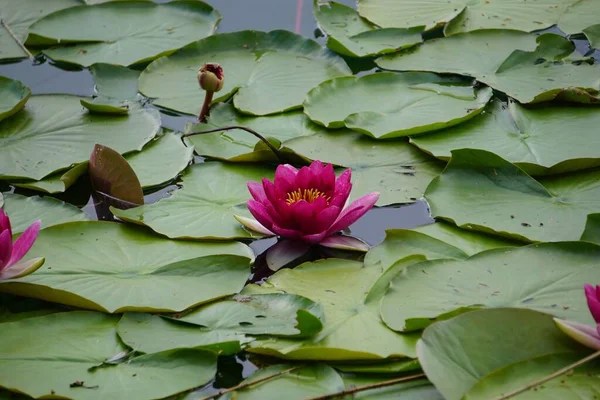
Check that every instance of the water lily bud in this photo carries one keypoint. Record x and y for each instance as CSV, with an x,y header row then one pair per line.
x,y
211,77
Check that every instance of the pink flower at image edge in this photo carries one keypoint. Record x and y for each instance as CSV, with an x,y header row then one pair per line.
x,y
11,266
306,204
585,334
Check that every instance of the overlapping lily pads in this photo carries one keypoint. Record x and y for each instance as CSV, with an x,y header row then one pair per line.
x,y
496,351
592,229
387,105
123,32
509,62
351,35
266,73
204,208
533,139
350,295
545,277
13,96
53,133
481,191
69,362
224,326
115,267
394,168
50,211
582,16
116,89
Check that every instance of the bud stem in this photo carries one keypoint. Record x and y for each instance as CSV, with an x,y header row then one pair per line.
x,y
253,132
206,106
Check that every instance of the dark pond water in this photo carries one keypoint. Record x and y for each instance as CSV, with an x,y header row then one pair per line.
x,y
293,15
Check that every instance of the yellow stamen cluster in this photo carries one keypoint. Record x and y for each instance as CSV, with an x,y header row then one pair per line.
x,y
309,195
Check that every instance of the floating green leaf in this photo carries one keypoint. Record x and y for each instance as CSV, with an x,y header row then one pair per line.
x,y
74,344
351,35
592,229
204,208
387,105
547,277
350,295
486,344
265,73
394,168
224,326
24,210
123,32
13,96
481,191
116,267
52,133
533,139
16,18
464,15
116,89
527,74
385,367
414,390
582,16
240,146
57,182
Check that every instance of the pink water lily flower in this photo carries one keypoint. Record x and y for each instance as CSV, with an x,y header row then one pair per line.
x,y
586,335
307,205
12,253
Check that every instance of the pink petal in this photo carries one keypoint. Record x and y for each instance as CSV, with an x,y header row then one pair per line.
x,y
22,269
326,218
5,248
584,334
357,209
260,213
319,205
4,222
286,233
22,245
344,243
304,216
328,179
284,252
316,168
592,301
272,193
305,179
285,178
314,238
253,225
342,189
257,192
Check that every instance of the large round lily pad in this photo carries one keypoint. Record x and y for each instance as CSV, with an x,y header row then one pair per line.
x,y
116,267
481,191
533,139
265,72
204,208
547,277
53,132
509,62
123,32
70,361
394,168
13,96
386,105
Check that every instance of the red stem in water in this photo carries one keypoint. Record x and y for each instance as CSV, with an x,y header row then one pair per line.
x,y
205,107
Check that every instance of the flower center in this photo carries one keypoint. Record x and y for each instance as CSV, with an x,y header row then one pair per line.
x,y
308,195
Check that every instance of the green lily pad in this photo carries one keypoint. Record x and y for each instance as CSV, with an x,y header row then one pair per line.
x,y
481,191
18,16
57,182
487,343
395,169
509,62
13,96
265,73
434,241
413,390
547,277
582,16
240,146
387,105
224,326
385,367
532,139
116,267
592,229
75,343
23,211
351,306
204,208
464,15
351,35
116,89
52,133
123,32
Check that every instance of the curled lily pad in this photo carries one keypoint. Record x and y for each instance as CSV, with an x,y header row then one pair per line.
x,y
582,16
13,96
116,89
387,105
265,73
123,32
